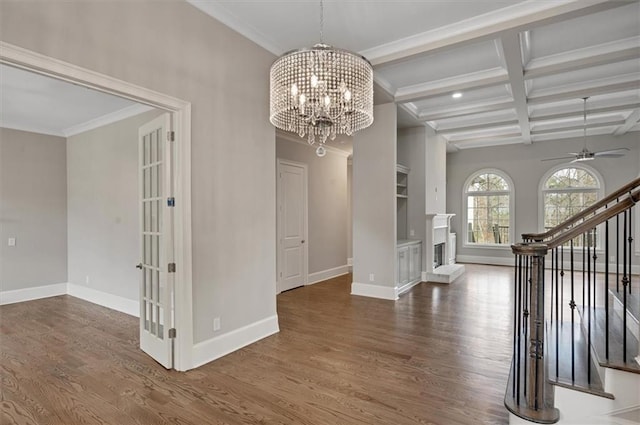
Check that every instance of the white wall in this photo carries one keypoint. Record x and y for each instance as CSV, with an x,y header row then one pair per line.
x,y
173,48
327,198
374,202
33,209
523,164
103,207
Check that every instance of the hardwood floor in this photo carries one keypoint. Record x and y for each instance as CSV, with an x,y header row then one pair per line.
x,y
439,355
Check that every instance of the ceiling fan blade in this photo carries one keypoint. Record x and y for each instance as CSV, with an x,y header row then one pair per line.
x,y
613,153
555,159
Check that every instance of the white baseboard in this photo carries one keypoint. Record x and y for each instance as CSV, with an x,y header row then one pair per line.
x,y
493,261
374,291
114,302
214,348
35,293
406,287
327,274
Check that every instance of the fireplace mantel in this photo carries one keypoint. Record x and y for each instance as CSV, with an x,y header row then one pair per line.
x,y
439,232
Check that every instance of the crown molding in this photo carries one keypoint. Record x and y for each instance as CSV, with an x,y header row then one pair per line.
x,y
220,13
109,118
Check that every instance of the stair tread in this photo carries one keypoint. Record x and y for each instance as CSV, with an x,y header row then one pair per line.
x,y
615,360
633,300
563,378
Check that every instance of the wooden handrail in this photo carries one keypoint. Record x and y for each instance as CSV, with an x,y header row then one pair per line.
x,y
597,219
624,190
590,223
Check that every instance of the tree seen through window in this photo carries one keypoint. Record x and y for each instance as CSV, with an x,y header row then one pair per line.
x,y
488,209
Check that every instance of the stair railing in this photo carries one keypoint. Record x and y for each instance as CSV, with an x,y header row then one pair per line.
x,y
529,393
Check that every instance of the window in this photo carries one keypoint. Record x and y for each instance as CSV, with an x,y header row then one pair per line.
x,y
567,191
488,197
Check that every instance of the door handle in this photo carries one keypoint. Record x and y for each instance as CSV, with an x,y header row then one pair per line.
x,y
139,266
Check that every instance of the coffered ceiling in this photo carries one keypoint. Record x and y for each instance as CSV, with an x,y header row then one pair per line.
x,y
521,67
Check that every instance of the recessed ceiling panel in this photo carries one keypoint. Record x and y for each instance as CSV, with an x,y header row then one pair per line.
x,y
486,118
493,93
586,74
604,27
442,65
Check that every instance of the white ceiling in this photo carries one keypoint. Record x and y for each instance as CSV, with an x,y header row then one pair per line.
x,y
40,104
522,66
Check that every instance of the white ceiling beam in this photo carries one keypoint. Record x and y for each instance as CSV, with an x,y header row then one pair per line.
x,y
577,127
585,92
462,111
475,80
630,122
616,108
513,59
613,52
519,17
487,141
455,130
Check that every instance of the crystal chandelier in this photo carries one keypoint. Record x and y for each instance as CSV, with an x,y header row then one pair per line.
x,y
320,92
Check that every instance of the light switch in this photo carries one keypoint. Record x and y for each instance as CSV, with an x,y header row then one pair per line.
x,y
11,242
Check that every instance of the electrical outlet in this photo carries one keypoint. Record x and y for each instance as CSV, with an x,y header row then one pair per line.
x,y
11,242
216,324
412,233
86,280
612,258
372,277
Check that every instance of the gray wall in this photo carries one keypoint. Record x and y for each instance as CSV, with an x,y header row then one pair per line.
x,y
349,209
103,207
523,164
436,170
374,200
173,48
33,209
327,198
412,151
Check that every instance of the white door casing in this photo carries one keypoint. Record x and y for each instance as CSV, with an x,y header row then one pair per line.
x,y
292,209
181,110
156,242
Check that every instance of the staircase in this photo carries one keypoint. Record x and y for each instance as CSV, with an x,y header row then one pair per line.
x,y
576,319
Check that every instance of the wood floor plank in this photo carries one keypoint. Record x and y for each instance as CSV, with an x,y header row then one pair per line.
x,y
440,355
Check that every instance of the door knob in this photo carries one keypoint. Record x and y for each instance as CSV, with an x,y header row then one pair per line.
x,y
139,266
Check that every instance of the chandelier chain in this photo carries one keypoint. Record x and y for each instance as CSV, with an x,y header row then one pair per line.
x,y
321,21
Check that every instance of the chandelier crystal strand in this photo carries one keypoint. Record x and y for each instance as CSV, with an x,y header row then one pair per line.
x,y
321,92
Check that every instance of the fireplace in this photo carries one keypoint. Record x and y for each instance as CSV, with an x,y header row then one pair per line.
x,y
440,250
438,255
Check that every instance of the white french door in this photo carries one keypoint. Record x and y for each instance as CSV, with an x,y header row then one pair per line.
x,y
292,225
156,241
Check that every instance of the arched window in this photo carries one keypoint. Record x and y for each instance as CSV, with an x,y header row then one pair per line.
x,y
567,190
488,197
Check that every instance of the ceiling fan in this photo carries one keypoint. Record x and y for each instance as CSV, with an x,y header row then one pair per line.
x,y
587,155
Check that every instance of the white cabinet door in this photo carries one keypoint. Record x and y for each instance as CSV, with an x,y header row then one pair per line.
x,y
415,262
403,265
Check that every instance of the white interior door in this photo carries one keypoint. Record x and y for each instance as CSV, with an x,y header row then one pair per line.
x,y
156,244
292,225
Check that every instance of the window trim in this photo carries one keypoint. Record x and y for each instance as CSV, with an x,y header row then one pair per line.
x,y
541,190
465,210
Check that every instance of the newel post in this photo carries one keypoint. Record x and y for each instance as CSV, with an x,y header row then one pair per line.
x,y
529,395
537,371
